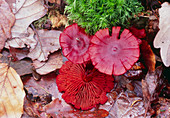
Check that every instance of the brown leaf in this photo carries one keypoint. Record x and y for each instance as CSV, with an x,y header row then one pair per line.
x,y
145,90
30,11
47,85
22,67
148,56
22,41
56,106
54,62
152,79
126,107
162,38
48,42
18,54
11,93
7,20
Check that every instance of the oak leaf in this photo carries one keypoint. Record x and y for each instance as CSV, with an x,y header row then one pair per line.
x,y
48,42
7,20
11,93
162,39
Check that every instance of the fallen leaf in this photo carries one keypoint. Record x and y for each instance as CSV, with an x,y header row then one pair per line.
x,y
7,20
30,11
148,56
54,62
11,93
47,85
128,107
162,38
64,111
48,42
18,53
17,65
22,41
15,5
56,106
162,108
26,14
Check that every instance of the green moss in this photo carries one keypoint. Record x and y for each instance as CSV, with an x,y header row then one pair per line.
x,y
98,14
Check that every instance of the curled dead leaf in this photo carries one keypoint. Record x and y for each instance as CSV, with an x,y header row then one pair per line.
x,y
48,42
11,93
148,56
54,62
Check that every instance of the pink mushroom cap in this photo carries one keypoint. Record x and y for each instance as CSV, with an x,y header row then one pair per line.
x,y
75,44
111,55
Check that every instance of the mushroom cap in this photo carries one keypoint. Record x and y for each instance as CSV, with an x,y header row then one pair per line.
x,y
79,92
111,55
139,33
75,43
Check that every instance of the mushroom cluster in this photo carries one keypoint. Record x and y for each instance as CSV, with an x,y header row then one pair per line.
x,y
87,76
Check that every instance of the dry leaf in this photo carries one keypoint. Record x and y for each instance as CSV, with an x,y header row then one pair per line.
x,y
18,53
18,65
162,39
29,12
148,56
11,93
15,5
126,107
48,42
7,20
26,40
54,62
56,106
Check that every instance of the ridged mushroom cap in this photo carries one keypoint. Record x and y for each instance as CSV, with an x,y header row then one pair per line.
x,y
111,55
75,44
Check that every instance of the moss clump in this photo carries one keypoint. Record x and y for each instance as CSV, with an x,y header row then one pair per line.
x,y
98,14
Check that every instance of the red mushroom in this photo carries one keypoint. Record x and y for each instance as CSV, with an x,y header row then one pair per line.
x,y
111,55
75,43
139,33
83,87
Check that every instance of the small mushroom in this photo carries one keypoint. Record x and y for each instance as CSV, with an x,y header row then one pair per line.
x,y
111,55
83,86
75,43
